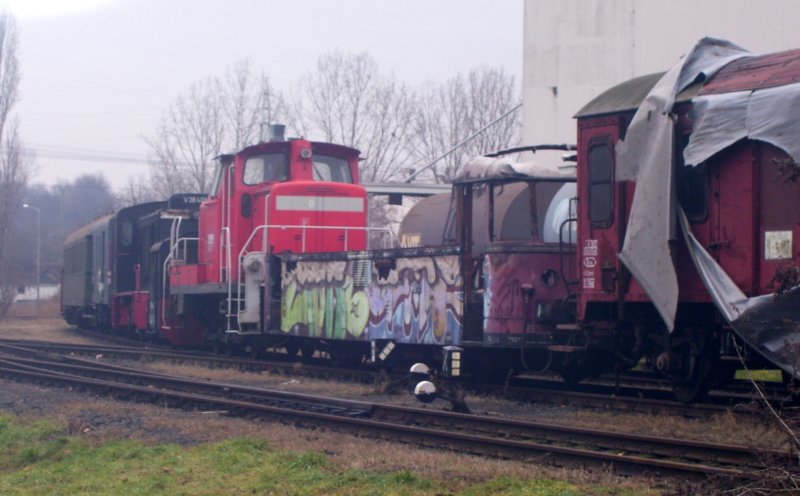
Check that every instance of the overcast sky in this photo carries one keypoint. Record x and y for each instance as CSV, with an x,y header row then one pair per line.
x,y
97,74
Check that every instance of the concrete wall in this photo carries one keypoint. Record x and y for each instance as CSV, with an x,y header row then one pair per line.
x,y
575,49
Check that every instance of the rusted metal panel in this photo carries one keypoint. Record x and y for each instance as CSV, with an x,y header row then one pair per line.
x,y
749,73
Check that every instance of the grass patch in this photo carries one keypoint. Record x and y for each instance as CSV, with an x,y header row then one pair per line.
x,y
37,458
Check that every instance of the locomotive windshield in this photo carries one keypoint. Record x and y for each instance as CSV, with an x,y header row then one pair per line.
x,y
266,167
331,169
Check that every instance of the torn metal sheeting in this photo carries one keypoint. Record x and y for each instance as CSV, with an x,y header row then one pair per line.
x,y
646,157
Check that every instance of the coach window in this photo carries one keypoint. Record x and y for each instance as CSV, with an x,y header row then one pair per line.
x,y
264,168
601,184
126,233
331,169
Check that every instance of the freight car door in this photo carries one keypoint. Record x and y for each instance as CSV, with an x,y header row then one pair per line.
x,y
778,220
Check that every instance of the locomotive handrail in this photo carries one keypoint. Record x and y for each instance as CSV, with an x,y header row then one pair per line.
x,y
164,273
182,242
225,237
572,219
173,250
305,227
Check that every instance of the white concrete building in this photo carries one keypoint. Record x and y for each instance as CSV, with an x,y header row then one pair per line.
x,y
575,49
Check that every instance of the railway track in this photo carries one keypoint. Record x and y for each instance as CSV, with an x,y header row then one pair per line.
x,y
531,389
475,434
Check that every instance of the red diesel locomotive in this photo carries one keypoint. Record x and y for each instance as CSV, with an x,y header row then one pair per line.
x,y
208,267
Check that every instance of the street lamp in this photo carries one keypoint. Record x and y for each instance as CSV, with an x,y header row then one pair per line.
x,y
38,213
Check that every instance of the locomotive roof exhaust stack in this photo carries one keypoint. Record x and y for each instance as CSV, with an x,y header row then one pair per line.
x,y
277,132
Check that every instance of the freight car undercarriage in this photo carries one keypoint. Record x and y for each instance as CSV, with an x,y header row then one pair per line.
x,y
325,303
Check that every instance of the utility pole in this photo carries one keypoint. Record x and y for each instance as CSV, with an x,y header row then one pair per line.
x,y
38,250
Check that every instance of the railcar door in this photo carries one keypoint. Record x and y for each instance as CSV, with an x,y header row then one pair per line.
x,y
471,211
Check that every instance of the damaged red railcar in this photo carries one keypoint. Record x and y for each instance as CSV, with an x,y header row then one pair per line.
x,y
689,210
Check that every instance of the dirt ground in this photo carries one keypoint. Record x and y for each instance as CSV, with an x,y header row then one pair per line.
x,y
98,419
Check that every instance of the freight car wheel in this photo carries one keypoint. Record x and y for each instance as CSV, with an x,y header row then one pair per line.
x,y
693,388
292,349
696,365
571,375
346,357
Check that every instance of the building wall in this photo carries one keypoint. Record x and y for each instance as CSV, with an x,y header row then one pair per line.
x,y
575,49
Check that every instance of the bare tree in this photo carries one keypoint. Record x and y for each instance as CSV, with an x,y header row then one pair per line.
x,y
137,190
449,113
14,169
249,101
215,115
348,101
189,136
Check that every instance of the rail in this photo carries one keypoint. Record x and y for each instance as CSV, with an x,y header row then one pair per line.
x,y
493,436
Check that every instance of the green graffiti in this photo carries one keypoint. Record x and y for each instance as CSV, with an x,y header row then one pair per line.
x,y
326,311
358,314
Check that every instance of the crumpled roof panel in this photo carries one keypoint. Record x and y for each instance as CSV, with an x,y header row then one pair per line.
x,y
757,72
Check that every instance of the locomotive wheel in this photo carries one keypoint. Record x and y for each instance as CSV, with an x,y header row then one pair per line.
x,y
255,351
218,347
307,350
696,386
576,367
346,357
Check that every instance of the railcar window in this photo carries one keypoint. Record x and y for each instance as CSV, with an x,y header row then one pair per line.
x,y
693,187
601,185
693,192
512,218
126,233
560,220
450,237
331,169
267,167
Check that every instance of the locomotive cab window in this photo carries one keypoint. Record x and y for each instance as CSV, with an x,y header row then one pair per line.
x,y
217,180
222,166
267,167
601,179
331,169
126,233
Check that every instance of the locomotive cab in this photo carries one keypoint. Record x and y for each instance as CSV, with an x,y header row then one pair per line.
x,y
283,196
276,197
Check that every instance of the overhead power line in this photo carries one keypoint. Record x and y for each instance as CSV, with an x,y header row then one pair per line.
x,y
87,155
